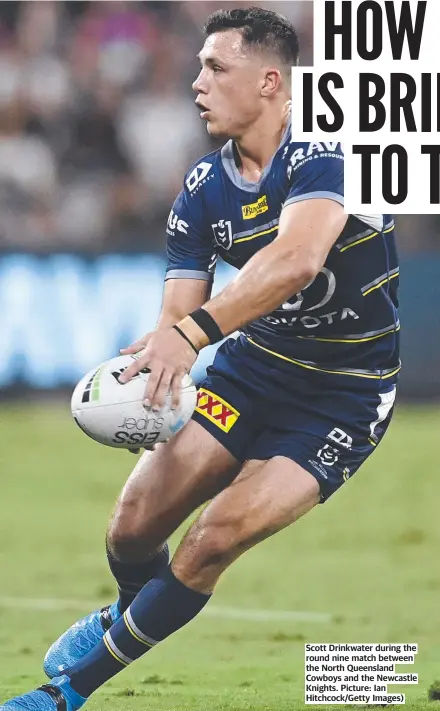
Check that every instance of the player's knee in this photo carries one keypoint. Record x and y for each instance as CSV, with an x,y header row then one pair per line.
x,y
128,539
122,544
210,545
134,523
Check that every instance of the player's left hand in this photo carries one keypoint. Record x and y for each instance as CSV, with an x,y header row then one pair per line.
x,y
169,357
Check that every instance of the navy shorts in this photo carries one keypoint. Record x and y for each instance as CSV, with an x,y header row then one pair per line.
x,y
259,406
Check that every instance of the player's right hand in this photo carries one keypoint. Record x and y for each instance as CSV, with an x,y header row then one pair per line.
x,y
136,346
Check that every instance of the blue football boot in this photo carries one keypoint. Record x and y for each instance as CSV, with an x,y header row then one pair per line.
x,y
56,696
79,639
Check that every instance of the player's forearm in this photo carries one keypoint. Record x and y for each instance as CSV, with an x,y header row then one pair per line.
x,y
180,297
168,318
266,281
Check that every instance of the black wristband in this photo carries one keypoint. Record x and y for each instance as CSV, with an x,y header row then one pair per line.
x,y
179,330
205,321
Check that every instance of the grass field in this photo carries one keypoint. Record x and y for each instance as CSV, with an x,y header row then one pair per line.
x,y
366,565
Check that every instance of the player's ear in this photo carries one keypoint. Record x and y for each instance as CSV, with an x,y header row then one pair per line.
x,y
271,82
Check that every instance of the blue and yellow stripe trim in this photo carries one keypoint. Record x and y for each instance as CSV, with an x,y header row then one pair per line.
x,y
136,632
257,234
115,652
380,281
361,240
307,366
354,338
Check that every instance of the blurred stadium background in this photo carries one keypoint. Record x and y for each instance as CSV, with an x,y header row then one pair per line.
x,y
97,128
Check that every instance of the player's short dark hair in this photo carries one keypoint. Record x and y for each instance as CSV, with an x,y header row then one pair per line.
x,y
261,29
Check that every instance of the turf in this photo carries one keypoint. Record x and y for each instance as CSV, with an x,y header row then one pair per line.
x,y
368,559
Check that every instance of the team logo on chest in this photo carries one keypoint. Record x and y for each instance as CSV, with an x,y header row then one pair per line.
x,y
223,233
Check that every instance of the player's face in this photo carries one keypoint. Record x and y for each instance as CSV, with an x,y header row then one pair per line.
x,y
229,85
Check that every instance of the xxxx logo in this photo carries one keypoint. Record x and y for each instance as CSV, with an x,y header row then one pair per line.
x,y
216,410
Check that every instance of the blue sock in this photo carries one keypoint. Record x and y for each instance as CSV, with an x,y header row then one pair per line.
x,y
163,606
131,577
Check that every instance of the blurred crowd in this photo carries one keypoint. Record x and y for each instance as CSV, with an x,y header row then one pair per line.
x,y
98,125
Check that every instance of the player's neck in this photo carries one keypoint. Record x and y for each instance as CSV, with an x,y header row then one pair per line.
x,y
256,148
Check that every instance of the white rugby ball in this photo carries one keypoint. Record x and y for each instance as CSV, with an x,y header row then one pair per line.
x,y
113,414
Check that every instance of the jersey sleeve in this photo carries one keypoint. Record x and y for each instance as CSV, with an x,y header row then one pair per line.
x,y
190,248
315,170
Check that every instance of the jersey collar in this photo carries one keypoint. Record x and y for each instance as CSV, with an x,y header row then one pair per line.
x,y
230,166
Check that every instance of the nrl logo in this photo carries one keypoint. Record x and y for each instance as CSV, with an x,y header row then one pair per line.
x,y
223,233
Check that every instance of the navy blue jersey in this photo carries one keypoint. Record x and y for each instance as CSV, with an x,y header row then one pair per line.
x,y
346,320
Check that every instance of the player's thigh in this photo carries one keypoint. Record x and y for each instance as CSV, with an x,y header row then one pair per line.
x,y
167,485
265,497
